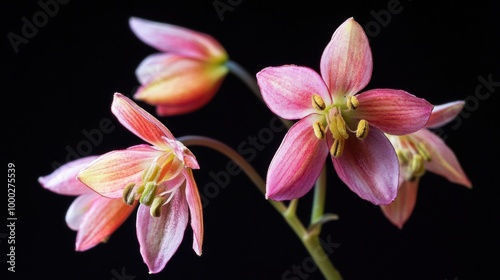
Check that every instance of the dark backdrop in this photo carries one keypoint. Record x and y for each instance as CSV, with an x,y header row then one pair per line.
x,y
59,83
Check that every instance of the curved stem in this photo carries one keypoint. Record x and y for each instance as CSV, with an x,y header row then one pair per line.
x,y
310,240
319,197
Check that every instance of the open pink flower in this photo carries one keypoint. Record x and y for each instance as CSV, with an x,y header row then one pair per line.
x,y
420,151
335,118
187,72
93,216
159,176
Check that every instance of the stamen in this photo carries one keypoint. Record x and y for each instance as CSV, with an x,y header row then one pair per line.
x,y
341,126
319,130
362,130
352,103
337,148
150,173
155,209
128,194
149,193
403,156
422,150
417,166
318,102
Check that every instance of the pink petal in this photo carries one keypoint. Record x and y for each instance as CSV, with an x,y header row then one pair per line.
x,y
346,63
139,121
195,209
393,111
78,208
445,113
288,90
159,237
63,179
171,38
183,85
183,153
399,211
101,219
113,171
370,167
296,165
444,162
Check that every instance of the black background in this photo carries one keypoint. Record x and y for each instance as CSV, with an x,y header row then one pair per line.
x,y
61,82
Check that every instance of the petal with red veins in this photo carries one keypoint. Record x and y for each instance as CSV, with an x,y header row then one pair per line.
x,y
346,63
160,237
399,211
171,38
443,160
288,90
195,210
445,113
139,121
369,167
113,171
298,162
102,218
393,111
63,179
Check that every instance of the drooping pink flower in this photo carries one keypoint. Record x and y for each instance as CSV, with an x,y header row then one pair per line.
x,y
91,215
187,72
420,151
336,118
159,176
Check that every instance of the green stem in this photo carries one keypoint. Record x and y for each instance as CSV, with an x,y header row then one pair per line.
x,y
309,239
319,197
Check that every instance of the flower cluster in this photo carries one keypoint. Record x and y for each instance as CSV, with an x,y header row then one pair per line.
x,y
379,140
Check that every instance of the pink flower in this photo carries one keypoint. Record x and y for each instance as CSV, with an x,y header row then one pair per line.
x,y
159,176
94,217
187,72
335,118
420,151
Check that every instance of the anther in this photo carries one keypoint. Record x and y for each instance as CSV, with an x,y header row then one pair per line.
x,y
128,194
148,194
319,130
318,103
155,209
403,156
337,148
352,103
422,150
362,129
341,126
150,173
417,166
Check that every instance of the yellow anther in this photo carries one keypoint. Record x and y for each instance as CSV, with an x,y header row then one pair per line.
x,y
150,173
422,150
155,209
128,194
352,103
362,130
341,126
403,156
148,194
417,166
319,130
318,102
337,148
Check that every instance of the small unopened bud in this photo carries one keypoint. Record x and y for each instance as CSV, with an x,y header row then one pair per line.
x,y
148,194
319,130
318,102
337,148
362,130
